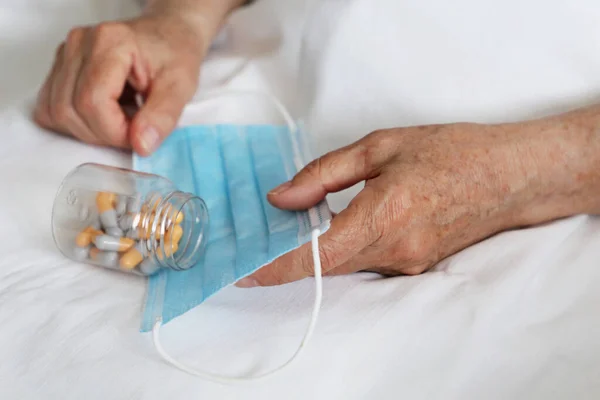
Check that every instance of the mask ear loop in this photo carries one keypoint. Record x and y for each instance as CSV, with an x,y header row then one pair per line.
x,y
316,263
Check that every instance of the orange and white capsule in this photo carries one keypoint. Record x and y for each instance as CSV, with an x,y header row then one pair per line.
x,y
145,228
110,243
132,257
86,237
107,259
169,250
173,217
105,201
173,235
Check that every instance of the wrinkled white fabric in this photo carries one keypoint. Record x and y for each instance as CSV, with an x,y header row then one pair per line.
x,y
515,316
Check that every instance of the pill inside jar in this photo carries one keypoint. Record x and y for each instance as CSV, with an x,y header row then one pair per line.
x,y
128,221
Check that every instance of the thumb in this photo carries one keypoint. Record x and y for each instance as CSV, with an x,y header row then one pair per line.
x,y
166,97
335,171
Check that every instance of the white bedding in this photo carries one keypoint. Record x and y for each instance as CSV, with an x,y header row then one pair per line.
x,y
513,317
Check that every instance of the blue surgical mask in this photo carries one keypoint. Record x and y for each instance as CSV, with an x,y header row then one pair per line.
x,y
232,168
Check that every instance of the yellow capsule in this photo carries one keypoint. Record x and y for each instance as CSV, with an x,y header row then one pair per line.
x,y
152,208
131,259
174,235
179,218
105,201
145,228
85,237
168,251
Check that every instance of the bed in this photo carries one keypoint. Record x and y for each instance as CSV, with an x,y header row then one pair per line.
x,y
513,317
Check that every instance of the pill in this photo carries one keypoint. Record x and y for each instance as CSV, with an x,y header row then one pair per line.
x,y
109,219
105,201
111,243
107,259
115,231
96,224
172,215
132,257
145,229
132,234
149,267
155,203
134,204
173,235
81,253
121,205
169,250
85,237
126,222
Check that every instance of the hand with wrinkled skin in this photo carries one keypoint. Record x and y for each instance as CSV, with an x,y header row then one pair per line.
x,y
431,191
157,55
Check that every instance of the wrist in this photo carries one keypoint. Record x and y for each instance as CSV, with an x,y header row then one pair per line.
x,y
204,17
559,158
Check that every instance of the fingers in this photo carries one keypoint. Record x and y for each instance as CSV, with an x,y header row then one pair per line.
x,y
41,114
81,94
62,112
333,172
165,100
99,87
349,234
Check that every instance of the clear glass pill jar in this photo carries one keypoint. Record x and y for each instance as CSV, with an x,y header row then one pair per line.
x,y
128,220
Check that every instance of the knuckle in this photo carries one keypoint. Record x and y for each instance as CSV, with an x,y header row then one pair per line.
x,y
313,168
328,260
107,30
75,35
415,249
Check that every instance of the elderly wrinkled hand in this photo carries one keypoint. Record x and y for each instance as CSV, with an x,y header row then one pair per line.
x,y
158,56
431,191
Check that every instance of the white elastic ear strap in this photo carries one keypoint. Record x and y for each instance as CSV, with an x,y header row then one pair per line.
x,y
316,261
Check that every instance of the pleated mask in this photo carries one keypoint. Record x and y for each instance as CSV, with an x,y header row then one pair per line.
x,y
232,168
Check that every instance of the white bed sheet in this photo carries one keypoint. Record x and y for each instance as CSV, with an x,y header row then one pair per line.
x,y
515,316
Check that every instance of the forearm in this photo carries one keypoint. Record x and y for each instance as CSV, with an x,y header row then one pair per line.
x,y
561,157
206,16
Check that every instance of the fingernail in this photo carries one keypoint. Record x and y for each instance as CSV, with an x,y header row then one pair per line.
x,y
149,139
281,188
247,282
